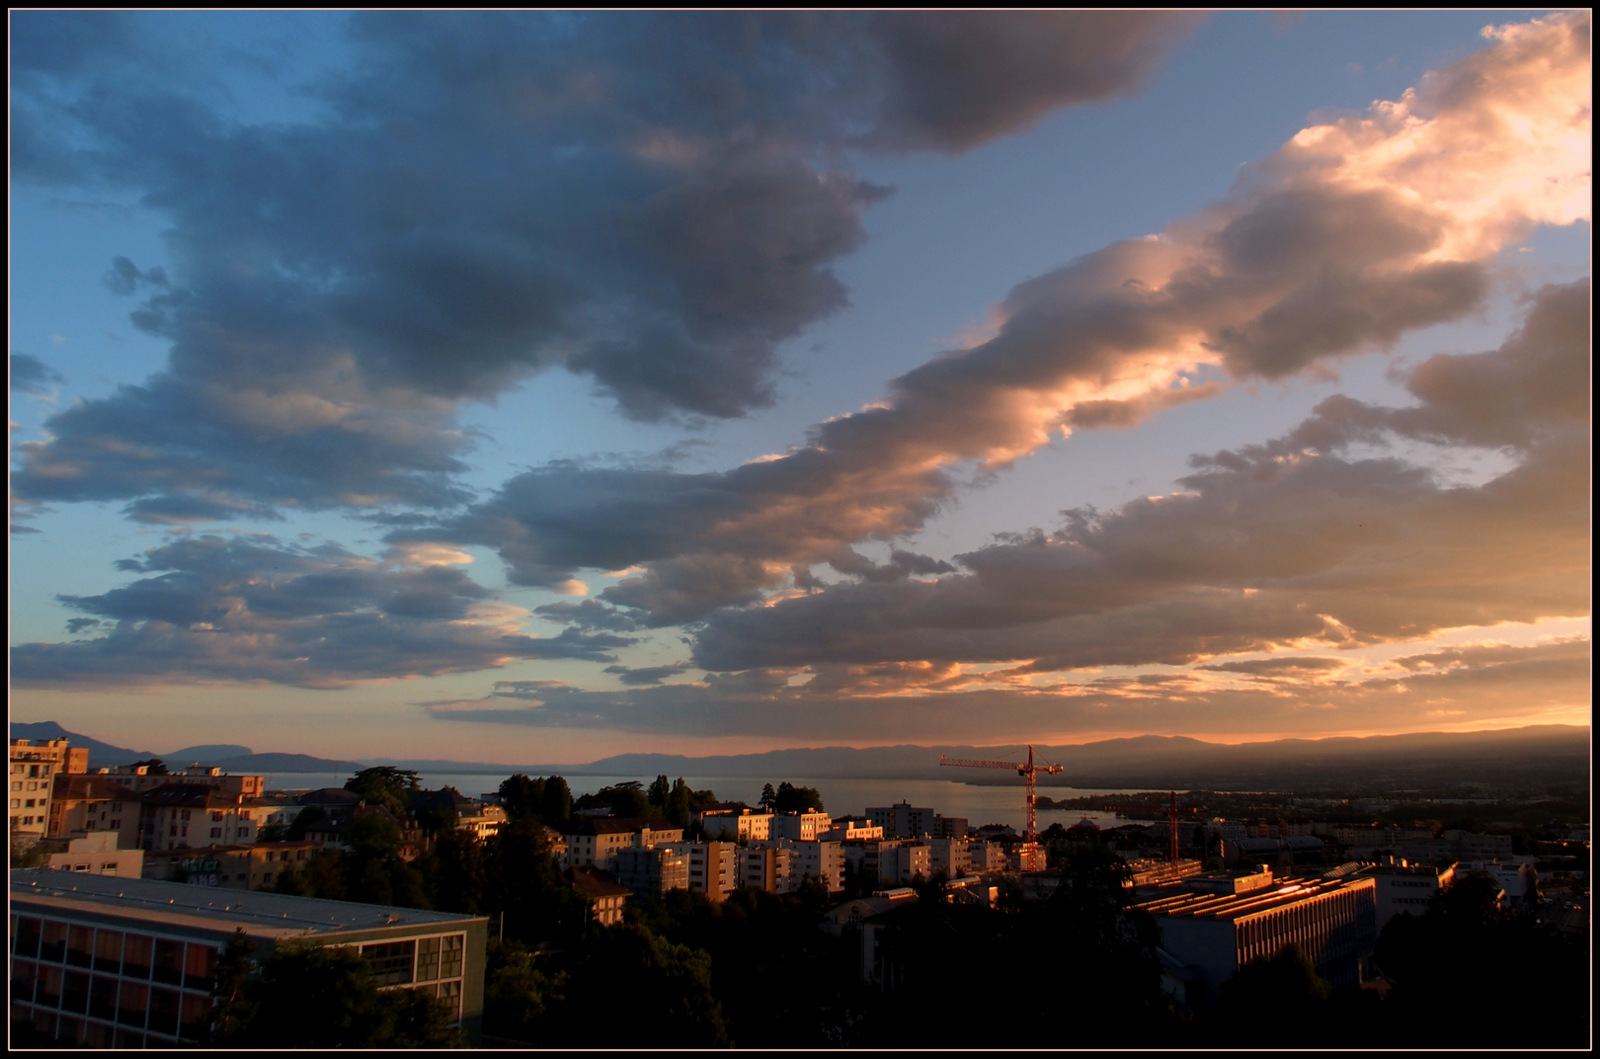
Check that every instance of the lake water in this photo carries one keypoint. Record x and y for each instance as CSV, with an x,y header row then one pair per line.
x,y
980,804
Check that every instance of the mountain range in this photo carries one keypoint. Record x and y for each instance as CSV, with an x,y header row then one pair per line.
x,y
1546,753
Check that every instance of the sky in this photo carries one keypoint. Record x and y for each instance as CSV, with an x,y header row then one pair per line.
x,y
540,386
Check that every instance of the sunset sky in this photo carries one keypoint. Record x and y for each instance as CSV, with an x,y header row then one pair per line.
x,y
534,387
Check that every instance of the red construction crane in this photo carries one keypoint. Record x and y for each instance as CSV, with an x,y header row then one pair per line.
x,y
1025,769
1172,820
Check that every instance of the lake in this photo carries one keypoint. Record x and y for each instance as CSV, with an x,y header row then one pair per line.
x,y
979,803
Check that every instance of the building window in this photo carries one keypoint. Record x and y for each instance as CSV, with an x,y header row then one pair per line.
x,y
392,963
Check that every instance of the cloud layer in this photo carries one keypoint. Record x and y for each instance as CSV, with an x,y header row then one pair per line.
x,y
254,609
654,200
1354,233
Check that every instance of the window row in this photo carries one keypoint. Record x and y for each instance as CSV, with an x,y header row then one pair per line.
x,y
131,955
135,1005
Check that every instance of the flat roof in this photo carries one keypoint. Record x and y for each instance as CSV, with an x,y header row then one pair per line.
x,y
1188,904
182,905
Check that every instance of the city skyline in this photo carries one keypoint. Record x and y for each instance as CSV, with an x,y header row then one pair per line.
x,y
542,387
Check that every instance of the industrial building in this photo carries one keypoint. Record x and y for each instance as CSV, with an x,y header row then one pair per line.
x,y
105,962
1212,925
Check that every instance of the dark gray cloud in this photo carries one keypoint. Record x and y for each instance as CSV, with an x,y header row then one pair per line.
x,y
644,676
1289,541
253,609
654,200
31,375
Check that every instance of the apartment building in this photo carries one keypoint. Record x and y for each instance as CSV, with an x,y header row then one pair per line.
x,y
596,842
734,822
34,766
713,867
800,827
82,805
187,816
105,962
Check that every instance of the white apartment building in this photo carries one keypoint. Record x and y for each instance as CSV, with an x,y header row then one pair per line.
x,y
713,867
736,825
801,827
596,842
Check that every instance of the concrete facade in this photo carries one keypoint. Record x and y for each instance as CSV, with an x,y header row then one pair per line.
x,y
103,962
1208,935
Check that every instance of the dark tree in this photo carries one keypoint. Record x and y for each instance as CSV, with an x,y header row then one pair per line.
x,y
386,786
305,819
792,799
520,999
156,766
557,800
769,797
453,873
307,996
627,798
657,794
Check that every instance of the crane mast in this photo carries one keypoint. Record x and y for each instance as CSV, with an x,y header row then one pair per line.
x,y
1032,857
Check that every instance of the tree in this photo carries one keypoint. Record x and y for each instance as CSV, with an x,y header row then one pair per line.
x,y
659,789
557,800
386,786
231,1010
1270,1001
792,799
308,996
627,798
519,997
769,797
155,766
305,819
667,989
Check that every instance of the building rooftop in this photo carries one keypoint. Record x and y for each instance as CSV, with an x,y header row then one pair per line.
x,y
75,786
179,904
616,825
1188,904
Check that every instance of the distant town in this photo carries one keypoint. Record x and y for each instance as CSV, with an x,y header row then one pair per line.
x,y
162,904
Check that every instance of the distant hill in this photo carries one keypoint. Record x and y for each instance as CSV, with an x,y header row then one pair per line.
x,y
101,755
203,755
1543,754
230,757
268,763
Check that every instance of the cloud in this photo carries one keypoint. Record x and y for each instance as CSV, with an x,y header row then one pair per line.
x,y
251,609
652,200
1289,542
1552,680
1353,233
32,376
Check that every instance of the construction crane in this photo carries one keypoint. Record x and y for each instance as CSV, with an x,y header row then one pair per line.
x,y
1025,769
1172,820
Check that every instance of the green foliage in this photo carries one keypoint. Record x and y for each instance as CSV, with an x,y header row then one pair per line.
x,y
520,1000
1270,1001
549,800
26,852
386,786
307,996
523,883
792,799
272,833
306,819
627,798
1466,973
453,873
